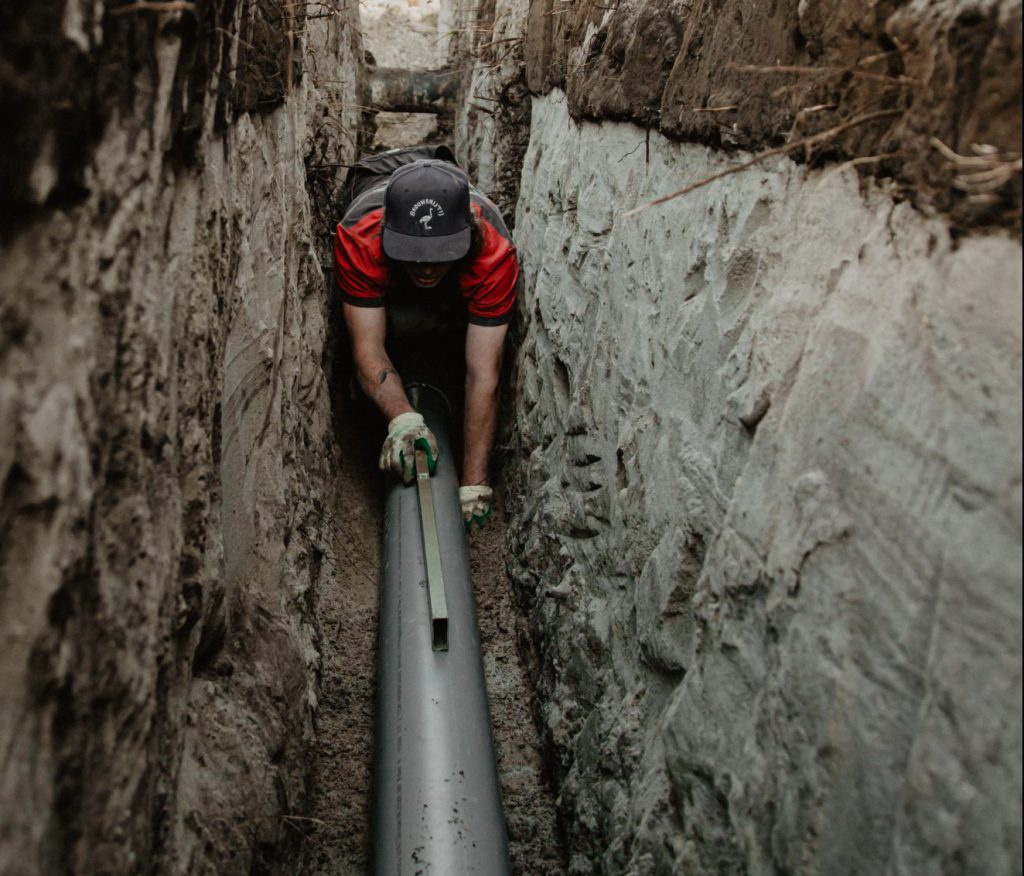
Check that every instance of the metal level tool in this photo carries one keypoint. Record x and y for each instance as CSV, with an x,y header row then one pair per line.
x,y
432,554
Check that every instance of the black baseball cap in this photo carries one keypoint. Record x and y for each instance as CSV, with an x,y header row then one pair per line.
x,y
427,213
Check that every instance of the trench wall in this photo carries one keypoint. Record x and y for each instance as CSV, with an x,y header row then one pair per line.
x,y
165,447
492,119
764,464
766,514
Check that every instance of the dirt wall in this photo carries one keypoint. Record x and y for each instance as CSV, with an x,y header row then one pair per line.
x,y
764,474
166,442
893,76
765,514
493,117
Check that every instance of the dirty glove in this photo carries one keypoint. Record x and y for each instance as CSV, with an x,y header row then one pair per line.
x,y
406,432
477,503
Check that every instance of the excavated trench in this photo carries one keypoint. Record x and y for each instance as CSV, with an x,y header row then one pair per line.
x,y
751,602
339,831
338,840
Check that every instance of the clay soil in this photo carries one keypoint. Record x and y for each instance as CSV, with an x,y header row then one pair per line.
x,y
338,836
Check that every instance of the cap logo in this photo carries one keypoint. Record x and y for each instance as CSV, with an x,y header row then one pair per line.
x,y
428,216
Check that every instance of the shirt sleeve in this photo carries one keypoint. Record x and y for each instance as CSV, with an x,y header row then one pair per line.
x,y
359,265
489,282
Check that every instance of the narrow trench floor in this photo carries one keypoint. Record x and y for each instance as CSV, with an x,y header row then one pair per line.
x,y
339,836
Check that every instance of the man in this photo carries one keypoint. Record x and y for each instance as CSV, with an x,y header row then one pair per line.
x,y
425,230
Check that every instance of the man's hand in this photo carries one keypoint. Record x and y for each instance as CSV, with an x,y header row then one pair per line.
x,y
477,503
406,432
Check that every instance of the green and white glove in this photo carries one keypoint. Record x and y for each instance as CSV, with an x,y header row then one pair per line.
x,y
477,503
406,432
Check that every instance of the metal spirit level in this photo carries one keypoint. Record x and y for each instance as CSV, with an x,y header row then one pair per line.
x,y
432,555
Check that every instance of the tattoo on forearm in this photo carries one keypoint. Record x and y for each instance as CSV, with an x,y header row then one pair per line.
x,y
382,378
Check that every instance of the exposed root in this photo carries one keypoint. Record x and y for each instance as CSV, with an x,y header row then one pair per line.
x,y
857,162
154,6
817,108
851,70
982,174
808,144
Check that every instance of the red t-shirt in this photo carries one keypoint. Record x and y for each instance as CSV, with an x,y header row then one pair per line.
x,y
487,282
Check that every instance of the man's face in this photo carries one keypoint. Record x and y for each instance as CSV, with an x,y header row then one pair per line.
x,y
423,275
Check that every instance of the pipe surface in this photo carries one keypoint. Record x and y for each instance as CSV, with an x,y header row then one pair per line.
x,y
437,807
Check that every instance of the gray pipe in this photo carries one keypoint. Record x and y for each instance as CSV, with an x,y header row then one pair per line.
x,y
437,807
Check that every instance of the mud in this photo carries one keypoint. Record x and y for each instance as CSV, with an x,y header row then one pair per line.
x,y
69,68
530,814
338,834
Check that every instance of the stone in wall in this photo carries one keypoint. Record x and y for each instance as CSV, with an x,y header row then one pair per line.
x,y
766,514
166,436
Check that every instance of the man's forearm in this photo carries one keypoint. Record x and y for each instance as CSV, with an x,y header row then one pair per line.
x,y
481,422
380,381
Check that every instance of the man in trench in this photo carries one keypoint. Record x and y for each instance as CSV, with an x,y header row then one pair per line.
x,y
425,263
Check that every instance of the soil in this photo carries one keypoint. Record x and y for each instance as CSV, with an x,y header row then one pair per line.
x,y
534,845
338,840
338,836
710,72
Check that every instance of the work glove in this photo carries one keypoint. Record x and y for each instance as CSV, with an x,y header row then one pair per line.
x,y
477,503
406,432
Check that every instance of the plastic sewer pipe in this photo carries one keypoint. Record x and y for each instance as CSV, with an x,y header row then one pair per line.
x,y
437,807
